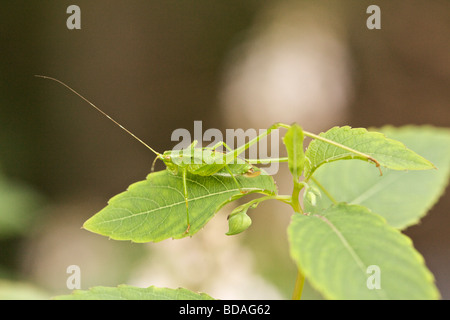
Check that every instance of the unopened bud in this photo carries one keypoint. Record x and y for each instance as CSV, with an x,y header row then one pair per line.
x,y
238,221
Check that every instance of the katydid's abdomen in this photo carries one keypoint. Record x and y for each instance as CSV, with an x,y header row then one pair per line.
x,y
203,162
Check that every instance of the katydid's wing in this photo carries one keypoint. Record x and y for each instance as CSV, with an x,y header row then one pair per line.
x,y
154,209
238,167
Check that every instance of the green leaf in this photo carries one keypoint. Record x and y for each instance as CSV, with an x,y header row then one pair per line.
x,y
154,209
293,139
125,292
371,146
401,197
337,249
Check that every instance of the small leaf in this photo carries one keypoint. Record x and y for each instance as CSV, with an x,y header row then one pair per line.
x,y
125,292
311,194
293,139
382,151
401,197
155,209
338,248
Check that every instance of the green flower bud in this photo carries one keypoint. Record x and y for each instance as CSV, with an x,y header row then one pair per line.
x,y
238,221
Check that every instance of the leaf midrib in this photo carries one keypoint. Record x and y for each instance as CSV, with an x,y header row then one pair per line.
x,y
352,252
134,215
375,188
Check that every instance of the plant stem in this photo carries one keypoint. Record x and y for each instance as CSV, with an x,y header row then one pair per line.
x,y
298,289
258,200
295,195
283,198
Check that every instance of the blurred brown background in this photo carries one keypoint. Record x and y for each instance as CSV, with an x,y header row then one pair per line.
x,y
159,65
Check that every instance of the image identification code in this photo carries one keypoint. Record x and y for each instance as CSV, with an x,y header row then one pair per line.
x,y
227,309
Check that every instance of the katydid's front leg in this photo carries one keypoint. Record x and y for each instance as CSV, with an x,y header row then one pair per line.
x,y
234,179
183,173
219,144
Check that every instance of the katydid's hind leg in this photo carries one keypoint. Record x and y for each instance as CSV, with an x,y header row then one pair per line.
x,y
234,179
232,155
186,200
219,144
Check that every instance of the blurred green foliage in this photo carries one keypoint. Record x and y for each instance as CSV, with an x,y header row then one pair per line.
x,y
19,206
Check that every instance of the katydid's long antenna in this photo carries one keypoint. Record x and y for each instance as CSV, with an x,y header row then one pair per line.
x,y
99,110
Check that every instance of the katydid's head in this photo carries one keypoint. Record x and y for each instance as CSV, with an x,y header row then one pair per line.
x,y
172,159
170,166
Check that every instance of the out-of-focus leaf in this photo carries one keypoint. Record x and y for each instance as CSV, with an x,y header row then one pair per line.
x,y
339,248
18,207
125,292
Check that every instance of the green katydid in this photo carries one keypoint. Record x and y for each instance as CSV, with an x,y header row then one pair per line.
x,y
207,161
197,161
